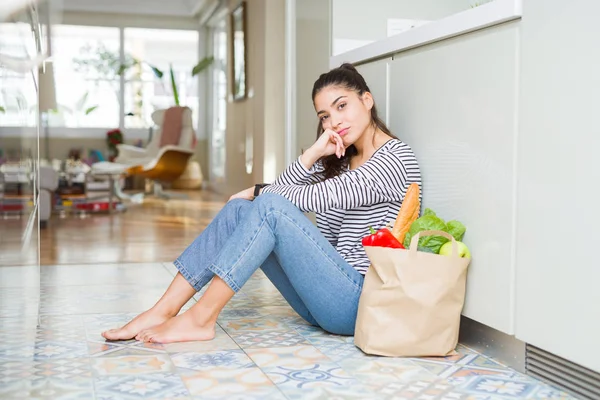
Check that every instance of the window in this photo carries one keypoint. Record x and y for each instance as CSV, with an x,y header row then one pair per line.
x,y
146,49
86,64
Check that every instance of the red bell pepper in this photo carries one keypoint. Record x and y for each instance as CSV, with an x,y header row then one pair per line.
x,y
382,238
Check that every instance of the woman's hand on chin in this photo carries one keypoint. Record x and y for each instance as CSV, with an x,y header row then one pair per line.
x,y
327,144
246,194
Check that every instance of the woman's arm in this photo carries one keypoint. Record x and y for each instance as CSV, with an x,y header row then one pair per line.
x,y
306,170
295,174
298,174
382,179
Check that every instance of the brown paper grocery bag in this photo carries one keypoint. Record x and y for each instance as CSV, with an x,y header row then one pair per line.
x,y
411,301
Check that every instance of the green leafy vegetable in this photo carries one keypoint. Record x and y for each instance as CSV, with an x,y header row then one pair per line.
x,y
428,211
430,221
456,229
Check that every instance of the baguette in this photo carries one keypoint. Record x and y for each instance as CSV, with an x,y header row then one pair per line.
x,y
409,212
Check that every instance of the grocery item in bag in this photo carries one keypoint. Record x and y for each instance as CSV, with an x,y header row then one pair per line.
x,y
411,301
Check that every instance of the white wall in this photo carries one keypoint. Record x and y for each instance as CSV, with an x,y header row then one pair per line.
x,y
129,20
312,59
179,8
255,138
558,272
274,102
241,123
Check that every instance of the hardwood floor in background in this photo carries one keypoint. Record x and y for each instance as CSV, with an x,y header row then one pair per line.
x,y
155,231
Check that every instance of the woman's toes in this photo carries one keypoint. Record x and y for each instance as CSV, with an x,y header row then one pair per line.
x,y
114,334
145,335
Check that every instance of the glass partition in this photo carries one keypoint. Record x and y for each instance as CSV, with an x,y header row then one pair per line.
x,y
18,154
24,86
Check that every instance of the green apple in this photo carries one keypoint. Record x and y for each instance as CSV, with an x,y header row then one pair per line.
x,y
463,250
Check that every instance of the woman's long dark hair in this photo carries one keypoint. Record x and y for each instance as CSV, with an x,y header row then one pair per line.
x,y
349,78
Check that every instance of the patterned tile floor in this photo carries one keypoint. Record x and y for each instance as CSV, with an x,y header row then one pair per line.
x,y
262,349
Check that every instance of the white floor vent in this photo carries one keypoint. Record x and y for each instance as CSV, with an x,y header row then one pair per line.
x,y
581,382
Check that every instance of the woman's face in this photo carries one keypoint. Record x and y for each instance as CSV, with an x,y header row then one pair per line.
x,y
344,111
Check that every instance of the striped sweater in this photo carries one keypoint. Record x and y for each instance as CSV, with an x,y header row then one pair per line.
x,y
348,204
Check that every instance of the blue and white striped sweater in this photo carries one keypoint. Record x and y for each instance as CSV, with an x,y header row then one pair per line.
x,y
348,204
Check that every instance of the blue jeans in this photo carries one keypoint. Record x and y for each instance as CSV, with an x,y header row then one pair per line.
x,y
271,233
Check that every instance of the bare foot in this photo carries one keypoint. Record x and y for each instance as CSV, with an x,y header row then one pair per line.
x,y
145,320
182,328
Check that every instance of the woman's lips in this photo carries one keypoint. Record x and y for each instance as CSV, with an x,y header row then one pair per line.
x,y
343,131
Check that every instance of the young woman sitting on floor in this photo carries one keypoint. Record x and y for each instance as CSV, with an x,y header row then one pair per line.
x,y
353,177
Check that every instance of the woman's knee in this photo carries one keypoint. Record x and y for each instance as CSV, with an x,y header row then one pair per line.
x,y
236,203
340,322
233,206
273,201
340,328
233,209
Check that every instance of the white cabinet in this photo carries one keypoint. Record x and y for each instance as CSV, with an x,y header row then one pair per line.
x,y
558,270
504,123
376,76
454,102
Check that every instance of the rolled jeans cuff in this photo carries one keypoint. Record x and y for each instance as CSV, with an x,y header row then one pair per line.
x,y
198,282
225,277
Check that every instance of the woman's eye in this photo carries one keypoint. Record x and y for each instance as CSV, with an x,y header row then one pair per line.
x,y
324,117
341,106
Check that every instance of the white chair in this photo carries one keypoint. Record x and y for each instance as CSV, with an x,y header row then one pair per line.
x,y
166,156
132,155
